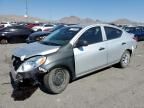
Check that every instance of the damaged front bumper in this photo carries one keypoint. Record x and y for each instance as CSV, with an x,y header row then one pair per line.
x,y
28,69
32,76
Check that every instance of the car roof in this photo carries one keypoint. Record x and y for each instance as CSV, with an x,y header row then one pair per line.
x,y
93,25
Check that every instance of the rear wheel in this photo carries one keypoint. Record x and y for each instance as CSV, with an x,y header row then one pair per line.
x,y
56,80
3,41
125,59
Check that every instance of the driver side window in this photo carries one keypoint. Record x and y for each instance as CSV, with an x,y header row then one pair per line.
x,y
92,35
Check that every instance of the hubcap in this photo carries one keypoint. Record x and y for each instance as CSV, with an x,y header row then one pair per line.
x,y
125,59
59,77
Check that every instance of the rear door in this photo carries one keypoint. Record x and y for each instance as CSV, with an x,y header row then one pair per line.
x,y
89,58
115,44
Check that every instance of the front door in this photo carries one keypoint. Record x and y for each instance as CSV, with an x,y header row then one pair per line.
x,y
94,55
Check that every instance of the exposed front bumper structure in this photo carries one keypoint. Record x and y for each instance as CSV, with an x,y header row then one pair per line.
x,y
20,77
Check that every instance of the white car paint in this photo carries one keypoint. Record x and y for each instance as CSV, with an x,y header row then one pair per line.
x,y
43,27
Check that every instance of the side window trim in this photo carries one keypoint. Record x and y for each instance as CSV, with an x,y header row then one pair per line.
x,y
89,29
103,33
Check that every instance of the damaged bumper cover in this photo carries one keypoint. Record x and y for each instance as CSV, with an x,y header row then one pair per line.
x,y
20,77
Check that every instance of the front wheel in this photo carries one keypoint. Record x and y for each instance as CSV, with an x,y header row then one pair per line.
x,y
56,80
125,59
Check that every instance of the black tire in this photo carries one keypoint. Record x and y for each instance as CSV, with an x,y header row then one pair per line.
x,y
39,30
3,41
56,80
125,59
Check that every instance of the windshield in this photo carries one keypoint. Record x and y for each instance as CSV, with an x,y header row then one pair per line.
x,y
130,29
134,30
56,28
61,36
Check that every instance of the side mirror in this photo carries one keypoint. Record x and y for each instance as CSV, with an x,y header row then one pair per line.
x,y
81,43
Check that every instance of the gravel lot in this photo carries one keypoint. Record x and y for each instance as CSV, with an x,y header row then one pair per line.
x,y
109,88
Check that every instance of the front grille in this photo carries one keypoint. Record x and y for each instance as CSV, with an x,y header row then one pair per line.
x,y
16,62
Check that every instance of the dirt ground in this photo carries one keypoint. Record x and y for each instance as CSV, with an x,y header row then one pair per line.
x,y
109,88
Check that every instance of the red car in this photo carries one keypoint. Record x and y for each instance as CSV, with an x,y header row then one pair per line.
x,y
31,25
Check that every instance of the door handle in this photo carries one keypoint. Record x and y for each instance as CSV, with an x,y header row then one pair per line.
x,y
101,49
123,43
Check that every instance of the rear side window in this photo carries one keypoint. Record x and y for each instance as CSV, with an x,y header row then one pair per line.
x,y
92,35
112,33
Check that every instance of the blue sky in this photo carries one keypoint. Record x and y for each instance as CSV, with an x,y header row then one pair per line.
x,y
106,10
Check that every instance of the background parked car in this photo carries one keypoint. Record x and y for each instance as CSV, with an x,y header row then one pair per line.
x,y
43,27
31,25
37,36
137,31
14,34
6,24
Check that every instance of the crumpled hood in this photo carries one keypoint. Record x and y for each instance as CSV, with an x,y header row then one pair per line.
x,y
34,49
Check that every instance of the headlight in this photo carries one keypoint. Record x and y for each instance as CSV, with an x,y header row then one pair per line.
x,y
31,64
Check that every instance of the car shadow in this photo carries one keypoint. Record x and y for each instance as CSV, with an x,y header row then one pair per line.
x,y
26,91
93,73
42,88
23,92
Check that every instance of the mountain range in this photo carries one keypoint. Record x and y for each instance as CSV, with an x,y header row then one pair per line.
x,y
77,20
68,20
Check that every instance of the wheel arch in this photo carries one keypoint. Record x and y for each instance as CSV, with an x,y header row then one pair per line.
x,y
130,51
71,73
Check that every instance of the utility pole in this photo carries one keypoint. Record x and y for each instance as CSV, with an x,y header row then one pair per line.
x,y
26,10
